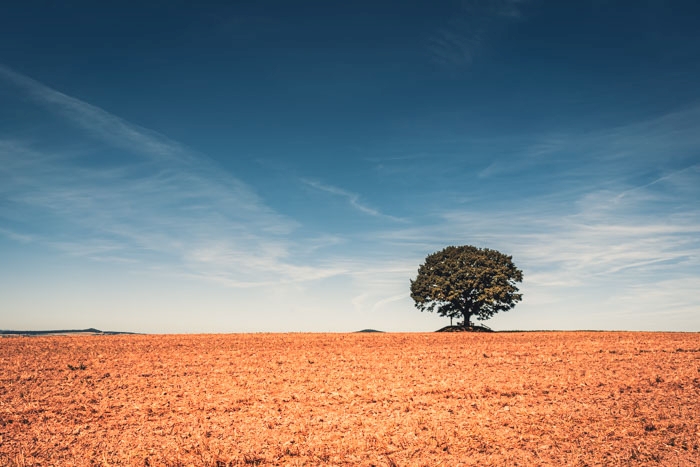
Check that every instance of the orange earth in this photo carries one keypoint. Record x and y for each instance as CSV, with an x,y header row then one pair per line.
x,y
554,398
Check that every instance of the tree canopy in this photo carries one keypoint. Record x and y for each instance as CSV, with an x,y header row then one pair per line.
x,y
467,281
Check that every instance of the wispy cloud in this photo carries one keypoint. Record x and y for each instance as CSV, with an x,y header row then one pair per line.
x,y
24,238
669,140
455,45
452,48
575,247
166,207
97,121
352,198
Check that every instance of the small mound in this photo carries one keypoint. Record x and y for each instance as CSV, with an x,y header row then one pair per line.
x,y
369,330
472,328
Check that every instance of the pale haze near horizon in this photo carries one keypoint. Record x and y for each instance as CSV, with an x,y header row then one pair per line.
x,y
287,166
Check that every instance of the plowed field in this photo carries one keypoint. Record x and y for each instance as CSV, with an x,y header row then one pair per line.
x,y
560,398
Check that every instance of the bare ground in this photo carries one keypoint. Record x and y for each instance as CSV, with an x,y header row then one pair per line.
x,y
564,398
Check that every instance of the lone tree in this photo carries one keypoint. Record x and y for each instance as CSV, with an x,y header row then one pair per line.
x,y
467,281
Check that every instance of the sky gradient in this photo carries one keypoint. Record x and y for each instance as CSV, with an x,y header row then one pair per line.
x,y
286,166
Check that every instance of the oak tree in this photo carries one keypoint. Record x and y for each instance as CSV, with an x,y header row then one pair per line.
x,y
466,281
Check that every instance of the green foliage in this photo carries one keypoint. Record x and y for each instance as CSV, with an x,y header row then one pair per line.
x,y
467,281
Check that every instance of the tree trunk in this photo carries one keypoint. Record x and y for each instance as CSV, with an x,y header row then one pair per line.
x,y
467,319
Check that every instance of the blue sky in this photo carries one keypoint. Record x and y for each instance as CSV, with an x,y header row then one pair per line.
x,y
287,166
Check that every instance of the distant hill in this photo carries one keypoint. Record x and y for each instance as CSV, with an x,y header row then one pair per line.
x,y
89,331
369,330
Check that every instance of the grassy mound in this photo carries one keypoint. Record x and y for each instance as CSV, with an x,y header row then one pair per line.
x,y
472,328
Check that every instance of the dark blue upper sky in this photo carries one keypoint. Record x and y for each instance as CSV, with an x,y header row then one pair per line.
x,y
360,134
